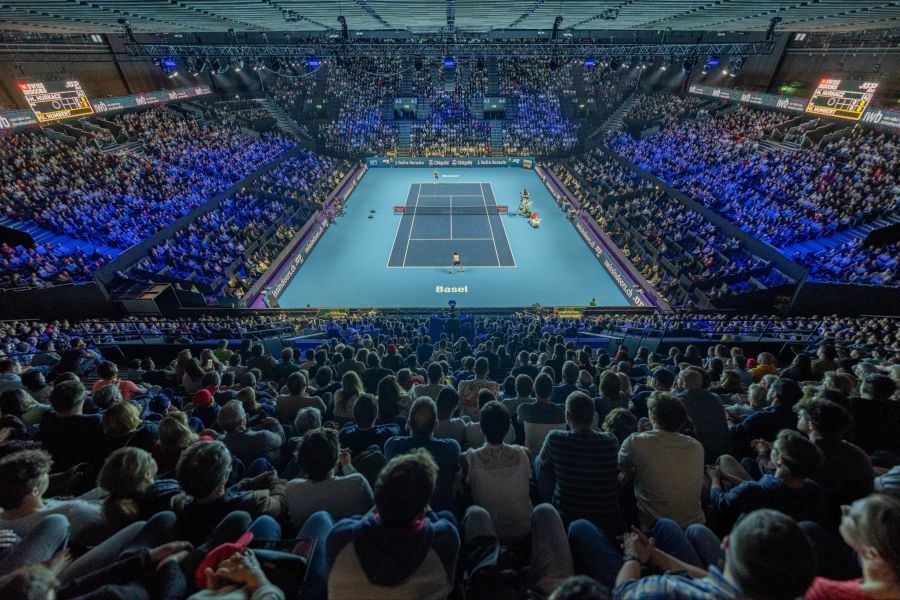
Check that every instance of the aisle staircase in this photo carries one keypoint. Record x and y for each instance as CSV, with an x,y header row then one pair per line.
x,y
842,237
43,236
403,138
283,119
497,138
493,77
615,121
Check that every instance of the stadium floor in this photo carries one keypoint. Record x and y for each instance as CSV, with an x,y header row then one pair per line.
x,y
351,265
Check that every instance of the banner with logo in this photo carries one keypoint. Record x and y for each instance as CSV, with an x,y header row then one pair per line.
x,y
880,118
17,119
523,162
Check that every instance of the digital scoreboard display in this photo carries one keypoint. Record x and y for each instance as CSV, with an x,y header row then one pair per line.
x,y
841,98
55,100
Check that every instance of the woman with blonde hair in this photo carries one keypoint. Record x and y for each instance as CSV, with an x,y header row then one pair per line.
x,y
345,398
843,383
129,477
625,384
122,426
174,436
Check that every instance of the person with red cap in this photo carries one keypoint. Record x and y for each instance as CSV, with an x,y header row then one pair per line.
x,y
204,408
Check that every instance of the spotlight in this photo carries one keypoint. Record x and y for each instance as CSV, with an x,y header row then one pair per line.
x,y
449,62
590,62
312,62
724,71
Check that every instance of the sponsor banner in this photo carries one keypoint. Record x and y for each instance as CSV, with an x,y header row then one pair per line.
x,y
634,293
523,162
17,119
297,261
880,118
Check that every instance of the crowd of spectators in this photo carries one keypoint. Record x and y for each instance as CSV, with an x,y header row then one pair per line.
x,y
537,87
854,262
225,250
306,176
779,196
45,265
359,92
512,462
116,199
674,248
661,108
607,87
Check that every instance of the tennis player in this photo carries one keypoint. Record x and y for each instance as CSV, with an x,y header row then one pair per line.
x,y
456,263
435,175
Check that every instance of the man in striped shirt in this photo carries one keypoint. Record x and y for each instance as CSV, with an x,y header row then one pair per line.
x,y
584,463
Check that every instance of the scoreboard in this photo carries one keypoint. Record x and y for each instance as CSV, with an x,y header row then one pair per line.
x,y
55,100
841,98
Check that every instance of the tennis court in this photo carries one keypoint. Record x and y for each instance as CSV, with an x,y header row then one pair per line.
x,y
439,219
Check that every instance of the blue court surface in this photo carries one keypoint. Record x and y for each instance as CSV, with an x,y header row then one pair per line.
x,y
446,218
393,260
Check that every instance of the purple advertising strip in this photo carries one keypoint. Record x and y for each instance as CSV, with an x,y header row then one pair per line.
x,y
291,259
631,283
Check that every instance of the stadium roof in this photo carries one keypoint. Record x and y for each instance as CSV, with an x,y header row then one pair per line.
x,y
183,16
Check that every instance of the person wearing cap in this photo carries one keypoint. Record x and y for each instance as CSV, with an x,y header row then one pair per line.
x,y
665,465
662,381
204,408
392,360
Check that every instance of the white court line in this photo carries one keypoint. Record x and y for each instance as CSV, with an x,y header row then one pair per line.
x,y
445,268
484,201
396,231
503,227
412,224
451,217
451,239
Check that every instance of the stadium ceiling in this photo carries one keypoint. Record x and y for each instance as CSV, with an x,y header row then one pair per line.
x,y
433,16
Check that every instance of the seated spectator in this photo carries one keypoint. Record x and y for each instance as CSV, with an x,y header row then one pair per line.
x,y
288,405
846,473
754,565
248,445
871,527
203,472
706,413
109,374
122,426
434,385
445,452
474,437
374,373
569,383
25,476
665,466
540,417
362,434
662,381
346,397
20,404
789,490
340,495
584,466
68,435
499,475
468,390
783,395
400,548
449,426
133,493
876,415
621,423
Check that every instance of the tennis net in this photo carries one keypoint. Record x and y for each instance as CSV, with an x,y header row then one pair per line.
x,y
452,210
